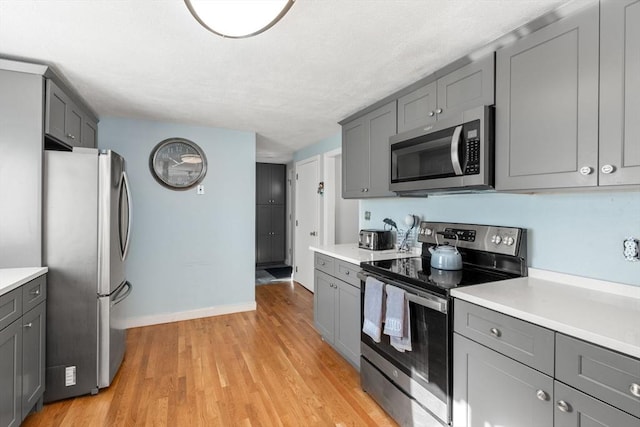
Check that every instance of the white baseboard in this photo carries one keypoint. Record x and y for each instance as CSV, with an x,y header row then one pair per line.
x,y
218,310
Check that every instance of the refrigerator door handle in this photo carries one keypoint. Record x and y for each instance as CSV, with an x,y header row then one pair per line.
x,y
129,214
122,294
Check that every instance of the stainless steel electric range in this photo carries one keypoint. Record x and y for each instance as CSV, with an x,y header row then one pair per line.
x,y
415,387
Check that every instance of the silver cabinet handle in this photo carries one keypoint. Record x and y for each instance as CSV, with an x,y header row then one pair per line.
x,y
542,395
431,114
364,190
313,233
70,136
586,170
635,389
35,292
563,406
607,169
495,332
439,111
28,325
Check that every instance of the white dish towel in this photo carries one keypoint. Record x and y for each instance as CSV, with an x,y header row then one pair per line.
x,y
397,322
373,305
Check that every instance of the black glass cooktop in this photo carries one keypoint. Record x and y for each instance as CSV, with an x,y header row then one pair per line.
x,y
417,272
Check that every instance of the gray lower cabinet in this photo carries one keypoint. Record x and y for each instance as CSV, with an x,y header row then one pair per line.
x,y
336,311
365,153
494,382
22,351
469,86
619,93
66,121
270,234
492,389
547,106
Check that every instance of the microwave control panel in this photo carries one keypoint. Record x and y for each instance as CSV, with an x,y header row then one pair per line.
x,y
471,135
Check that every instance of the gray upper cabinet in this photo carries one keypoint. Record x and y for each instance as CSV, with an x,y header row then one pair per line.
x,y
619,93
467,87
547,106
66,121
365,153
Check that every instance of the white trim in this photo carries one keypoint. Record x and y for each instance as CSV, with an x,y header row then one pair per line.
x,y
586,283
217,310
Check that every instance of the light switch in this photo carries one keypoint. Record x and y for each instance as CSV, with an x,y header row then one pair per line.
x,y
200,189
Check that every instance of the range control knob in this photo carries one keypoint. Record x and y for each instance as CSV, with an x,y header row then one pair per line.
x,y
508,241
427,231
496,239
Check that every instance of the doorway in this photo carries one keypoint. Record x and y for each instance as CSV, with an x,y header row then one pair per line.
x,y
307,221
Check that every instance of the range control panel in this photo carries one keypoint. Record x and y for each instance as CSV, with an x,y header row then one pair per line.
x,y
488,238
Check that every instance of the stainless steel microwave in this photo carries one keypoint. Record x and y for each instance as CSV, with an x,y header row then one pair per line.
x,y
449,155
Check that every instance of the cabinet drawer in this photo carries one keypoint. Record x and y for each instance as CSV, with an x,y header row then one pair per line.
x,y
10,307
34,292
325,263
609,376
527,343
347,272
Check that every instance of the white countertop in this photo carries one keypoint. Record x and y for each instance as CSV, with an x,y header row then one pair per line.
x,y
604,313
11,278
350,252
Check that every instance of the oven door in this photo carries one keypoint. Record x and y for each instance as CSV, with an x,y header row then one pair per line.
x,y
424,373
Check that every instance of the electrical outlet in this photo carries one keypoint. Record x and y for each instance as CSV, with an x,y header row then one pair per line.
x,y
367,215
200,189
631,249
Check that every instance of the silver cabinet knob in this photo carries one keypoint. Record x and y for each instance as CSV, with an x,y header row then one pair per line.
x,y
322,263
607,169
28,325
439,111
70,136
313,233
431,114
563,406
495,332
586,170
35,292
365,190
635,389
542,395
346,272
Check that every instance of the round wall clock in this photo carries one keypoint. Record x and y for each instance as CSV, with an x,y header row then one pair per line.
x,y
178,163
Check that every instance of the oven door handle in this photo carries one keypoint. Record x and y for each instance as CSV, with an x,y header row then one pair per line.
x,y
432,302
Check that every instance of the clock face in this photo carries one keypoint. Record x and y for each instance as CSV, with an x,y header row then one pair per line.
x,y
178,163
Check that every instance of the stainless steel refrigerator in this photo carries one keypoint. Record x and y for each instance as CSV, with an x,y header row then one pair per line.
x,y
86,229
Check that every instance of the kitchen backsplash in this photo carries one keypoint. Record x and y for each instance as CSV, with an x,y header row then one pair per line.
x,y
573,233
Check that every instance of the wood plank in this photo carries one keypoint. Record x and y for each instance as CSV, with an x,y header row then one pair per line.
x,y
264,368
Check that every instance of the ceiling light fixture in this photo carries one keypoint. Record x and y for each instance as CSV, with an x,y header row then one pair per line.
x,y
238,18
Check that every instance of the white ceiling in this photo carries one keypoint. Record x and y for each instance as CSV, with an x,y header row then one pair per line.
x,y
327,59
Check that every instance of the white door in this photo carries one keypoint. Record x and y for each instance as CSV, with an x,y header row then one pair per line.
x,y
306,232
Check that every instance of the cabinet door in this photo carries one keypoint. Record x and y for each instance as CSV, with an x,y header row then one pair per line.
x,y
323,305
56,111
11,375
547,106
278,233
491,389
355,158
33,357
263,233
467,87
417,108
620,92
278,183
73,126
347,321
263,184
382,125
576,409
89,133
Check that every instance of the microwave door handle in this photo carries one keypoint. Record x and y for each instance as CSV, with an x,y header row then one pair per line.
x,y
455,156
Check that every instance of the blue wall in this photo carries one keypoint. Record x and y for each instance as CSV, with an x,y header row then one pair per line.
x,y
573,233
188,251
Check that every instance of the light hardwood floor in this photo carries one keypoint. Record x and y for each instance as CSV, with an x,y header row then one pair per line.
x,y
263,368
